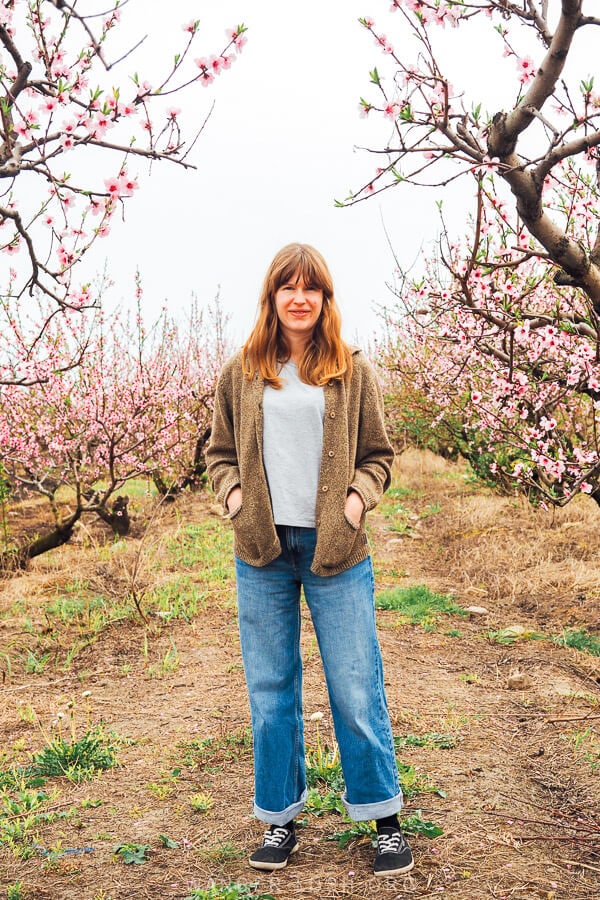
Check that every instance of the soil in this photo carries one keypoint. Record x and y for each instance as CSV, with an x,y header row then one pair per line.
x,y
517,792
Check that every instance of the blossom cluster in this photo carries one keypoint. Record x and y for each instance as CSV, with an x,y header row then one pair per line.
x,y
105,399
498,348
64,109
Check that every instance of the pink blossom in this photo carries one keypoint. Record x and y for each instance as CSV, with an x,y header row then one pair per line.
x,y
586,487
13,247
526,69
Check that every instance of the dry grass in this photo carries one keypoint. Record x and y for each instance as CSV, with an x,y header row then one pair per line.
x,y
518,792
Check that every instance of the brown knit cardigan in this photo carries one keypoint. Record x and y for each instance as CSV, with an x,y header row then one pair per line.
x,y
357,455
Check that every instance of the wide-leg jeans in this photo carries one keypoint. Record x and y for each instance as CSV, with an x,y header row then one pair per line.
x,y
343,615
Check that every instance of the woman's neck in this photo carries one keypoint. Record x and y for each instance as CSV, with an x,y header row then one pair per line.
x,y
296,348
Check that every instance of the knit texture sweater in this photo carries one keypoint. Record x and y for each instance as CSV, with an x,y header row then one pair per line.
x,y
357,455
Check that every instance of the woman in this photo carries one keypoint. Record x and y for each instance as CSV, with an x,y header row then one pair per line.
x,y
298,455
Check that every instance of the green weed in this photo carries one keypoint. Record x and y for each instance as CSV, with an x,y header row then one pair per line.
x,y
223,852
432,510
430,739
579,640
15,891
85,610
132,854
201,802
232,891
323,767
398,492
418,604
413,782
357,831
416,825
513,633
230,746
178,599
206,547
366,830
169,663
26,713
587,746
318,804
167,842
22,813
33,664
76,760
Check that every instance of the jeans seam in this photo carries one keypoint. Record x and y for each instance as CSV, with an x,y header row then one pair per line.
x,y
297,697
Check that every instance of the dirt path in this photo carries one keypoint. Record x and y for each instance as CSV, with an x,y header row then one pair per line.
x,y
516,790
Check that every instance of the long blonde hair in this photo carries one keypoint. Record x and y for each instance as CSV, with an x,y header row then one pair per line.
x,y
326,356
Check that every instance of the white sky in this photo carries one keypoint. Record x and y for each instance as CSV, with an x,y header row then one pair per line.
x,y
277,150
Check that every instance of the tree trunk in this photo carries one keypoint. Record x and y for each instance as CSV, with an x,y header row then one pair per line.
x,y
118,516
15,560
193,479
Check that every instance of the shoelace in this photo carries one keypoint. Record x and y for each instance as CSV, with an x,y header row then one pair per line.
x,y
274,837
390,843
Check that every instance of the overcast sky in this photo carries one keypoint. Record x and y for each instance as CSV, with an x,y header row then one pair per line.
x,y
277,150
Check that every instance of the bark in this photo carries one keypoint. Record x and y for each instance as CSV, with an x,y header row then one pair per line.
x,y
118,515
15,560
193,479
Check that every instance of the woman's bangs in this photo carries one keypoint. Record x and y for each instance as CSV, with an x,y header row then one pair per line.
x,y
306,269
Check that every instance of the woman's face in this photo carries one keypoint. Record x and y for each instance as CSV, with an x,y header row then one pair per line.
x,y
298,307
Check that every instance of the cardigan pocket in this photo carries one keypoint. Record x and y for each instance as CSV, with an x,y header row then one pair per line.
x,y
248,537
338,541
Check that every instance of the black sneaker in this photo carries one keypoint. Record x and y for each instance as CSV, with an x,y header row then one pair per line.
x,y
393,853
278,845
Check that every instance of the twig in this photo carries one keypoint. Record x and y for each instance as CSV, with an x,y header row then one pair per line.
x,y
37,685
572,862
553,824
581,839
573,719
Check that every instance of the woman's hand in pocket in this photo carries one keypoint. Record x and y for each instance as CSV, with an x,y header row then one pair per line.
x,y
354,508
234,500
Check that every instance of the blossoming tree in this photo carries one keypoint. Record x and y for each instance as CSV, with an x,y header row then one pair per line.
x,y
502,329
69,135
138,405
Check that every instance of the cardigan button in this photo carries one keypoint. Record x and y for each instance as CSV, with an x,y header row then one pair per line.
x,y
331,453
324,488
332,415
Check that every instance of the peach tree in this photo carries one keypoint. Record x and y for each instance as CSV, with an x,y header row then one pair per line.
x,y
500,328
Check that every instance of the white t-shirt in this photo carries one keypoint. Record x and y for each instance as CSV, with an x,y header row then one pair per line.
x,y
292,447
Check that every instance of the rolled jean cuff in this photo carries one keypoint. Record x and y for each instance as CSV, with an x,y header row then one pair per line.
x,y
364,812
281,818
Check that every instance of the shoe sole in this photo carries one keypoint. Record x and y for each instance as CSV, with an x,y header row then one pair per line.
x,y
401,871
270,866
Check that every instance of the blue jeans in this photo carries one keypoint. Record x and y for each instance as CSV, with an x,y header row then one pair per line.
x,y
343,615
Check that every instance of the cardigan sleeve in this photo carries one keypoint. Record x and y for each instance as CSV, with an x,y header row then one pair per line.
x,y
221,455
374,452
